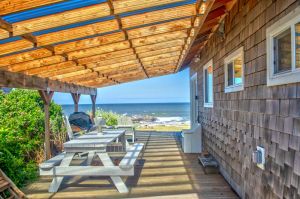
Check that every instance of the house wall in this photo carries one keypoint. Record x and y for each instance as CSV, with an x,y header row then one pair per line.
x,y
258,115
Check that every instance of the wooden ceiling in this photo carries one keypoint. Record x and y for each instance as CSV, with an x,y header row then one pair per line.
x,y
107,42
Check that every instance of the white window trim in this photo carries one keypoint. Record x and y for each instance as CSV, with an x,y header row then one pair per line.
x,y
227,60
288,21
208,105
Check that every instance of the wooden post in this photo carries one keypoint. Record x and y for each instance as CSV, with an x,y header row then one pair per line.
x,y
47,97
76,97
93,97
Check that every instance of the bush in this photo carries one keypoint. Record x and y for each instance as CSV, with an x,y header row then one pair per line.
x,y
110,118
22,133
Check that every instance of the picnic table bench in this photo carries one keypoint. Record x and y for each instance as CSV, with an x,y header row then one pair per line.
x,y
59,166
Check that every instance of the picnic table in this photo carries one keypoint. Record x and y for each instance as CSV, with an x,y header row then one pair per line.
x,y
94,144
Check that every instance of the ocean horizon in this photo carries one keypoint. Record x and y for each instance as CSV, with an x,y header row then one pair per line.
x,y
164,112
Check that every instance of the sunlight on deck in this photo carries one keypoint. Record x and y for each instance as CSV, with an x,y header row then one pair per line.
x,y
163,170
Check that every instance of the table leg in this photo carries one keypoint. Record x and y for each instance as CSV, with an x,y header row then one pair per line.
x,y
56,182
90,157
124,142
117,180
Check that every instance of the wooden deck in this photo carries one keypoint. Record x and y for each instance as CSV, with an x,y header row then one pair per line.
x,y
162,172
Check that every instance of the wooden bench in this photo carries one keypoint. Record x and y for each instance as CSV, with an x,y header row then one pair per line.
x,y
58,167
131,156
49,164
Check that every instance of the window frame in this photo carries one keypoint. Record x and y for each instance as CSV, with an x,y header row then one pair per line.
x,y
230,58
293,75
205,67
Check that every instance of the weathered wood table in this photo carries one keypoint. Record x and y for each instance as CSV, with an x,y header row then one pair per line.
x,y
94,144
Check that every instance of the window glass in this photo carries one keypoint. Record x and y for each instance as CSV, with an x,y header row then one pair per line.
x,y
238,70
209,85
297,36
230,73
282,52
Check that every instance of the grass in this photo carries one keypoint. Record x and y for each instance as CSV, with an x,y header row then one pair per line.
x,y
163,128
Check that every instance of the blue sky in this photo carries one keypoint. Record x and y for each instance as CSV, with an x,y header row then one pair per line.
x,y
169,88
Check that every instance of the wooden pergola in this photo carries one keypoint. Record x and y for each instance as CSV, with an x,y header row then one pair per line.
x,y
76,46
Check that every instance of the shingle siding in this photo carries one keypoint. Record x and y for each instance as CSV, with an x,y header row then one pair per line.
x,y
258,115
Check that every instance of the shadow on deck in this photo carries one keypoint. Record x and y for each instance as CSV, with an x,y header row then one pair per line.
x,y
163,172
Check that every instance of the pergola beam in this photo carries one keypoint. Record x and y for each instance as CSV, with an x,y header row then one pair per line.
x,y
20,80
204,9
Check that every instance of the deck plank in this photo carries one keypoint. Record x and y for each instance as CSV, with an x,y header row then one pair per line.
x,y
162,172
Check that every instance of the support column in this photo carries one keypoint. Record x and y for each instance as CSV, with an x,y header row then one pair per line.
x,y
76,98
47,97
93,98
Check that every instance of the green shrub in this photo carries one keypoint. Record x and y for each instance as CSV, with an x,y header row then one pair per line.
x,y
110,118
22,133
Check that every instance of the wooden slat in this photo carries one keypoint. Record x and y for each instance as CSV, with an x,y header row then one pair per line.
x,y
159,28
19,80
161,73
153,47
10,6
78,32
25,56
158,67
160,51
15,46
159,38
81,78
60,19
3,34
98,50
99,85
89,43
129,74
111,71
61,71
130,5
36,63
50,68
123,71
96,80
117,65
71,74
159,15
165,60
115,61
106,56
161,56
131,78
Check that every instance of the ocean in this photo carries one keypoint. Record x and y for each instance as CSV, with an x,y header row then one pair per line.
x,y
163,112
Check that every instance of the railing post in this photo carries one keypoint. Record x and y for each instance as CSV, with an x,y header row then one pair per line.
x,y
47,97
93,98
76,98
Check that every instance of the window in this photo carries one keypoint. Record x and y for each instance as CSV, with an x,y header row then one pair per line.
x,y
283,50
208,84
234,71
